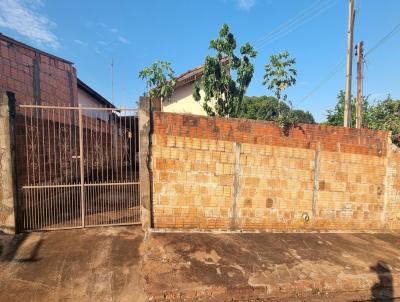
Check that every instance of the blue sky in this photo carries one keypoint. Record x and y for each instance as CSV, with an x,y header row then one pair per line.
x,y
135,33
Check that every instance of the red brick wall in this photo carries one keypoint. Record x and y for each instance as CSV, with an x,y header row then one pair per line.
x,y
215,173
58,86
17,72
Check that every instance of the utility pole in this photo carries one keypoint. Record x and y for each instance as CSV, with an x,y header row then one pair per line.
x,y
360,77
347,98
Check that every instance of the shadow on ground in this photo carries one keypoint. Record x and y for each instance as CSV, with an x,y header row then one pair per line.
x,y
282,267
383,289
99,264
10,247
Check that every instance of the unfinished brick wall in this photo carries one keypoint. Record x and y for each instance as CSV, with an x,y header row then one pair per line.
x,y
214,173
36,77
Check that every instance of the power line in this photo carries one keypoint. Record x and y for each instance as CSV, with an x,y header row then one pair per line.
x,y
292,24
384,39
283,26
335,70
327,78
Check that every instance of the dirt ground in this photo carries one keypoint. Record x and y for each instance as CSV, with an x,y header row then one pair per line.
x,y
124,264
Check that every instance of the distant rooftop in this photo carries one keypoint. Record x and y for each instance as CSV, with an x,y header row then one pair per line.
x,y
193,74
82,85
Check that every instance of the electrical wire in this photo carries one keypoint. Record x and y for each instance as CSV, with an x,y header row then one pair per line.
x,y
385,38
327,78
301,18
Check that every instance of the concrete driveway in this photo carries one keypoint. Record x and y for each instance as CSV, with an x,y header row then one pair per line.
x,y
124,264
98,264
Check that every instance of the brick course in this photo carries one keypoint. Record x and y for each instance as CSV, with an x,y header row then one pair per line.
x,y
215,173
54,75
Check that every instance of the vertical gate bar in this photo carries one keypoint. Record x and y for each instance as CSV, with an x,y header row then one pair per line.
x,y
126,149
101,147
48,149
120,132
136,188
133,170
105,146
37,199
98,157
116,132
25,207
71,164
65,171
111,126
102,161
121,197
81,159
60,160
90,146
86,166
43,195
50,167
54,151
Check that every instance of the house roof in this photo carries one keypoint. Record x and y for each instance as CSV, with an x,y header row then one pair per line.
x,y
190,75
94,94
193,74
12,41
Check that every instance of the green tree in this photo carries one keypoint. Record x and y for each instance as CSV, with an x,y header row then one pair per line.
x,y
160,80
226,76
280,74
262,108
334,117
270,108
302,116
383,115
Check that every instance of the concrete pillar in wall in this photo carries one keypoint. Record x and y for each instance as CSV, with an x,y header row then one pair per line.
x,y
7,164
145,170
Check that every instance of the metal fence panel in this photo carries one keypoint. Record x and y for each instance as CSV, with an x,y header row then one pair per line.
x,y
81,167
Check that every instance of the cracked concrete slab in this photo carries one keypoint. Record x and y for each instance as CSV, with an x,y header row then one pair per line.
x,y
280,267
124,264
101,264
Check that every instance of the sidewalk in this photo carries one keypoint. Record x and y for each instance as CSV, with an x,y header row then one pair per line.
x,y
123,264
280,267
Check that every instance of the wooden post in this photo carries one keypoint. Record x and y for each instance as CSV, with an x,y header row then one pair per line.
x,y
347,98
360,76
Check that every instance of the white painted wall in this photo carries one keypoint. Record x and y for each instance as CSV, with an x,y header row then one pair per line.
x,y
86,100
182,101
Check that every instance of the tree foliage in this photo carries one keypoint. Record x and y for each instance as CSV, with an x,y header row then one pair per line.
x,y
383,115
280,74
270,108
302,116
226,75
160,80
334,117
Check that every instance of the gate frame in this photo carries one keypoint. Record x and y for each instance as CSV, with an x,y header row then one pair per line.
x,y
80,109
